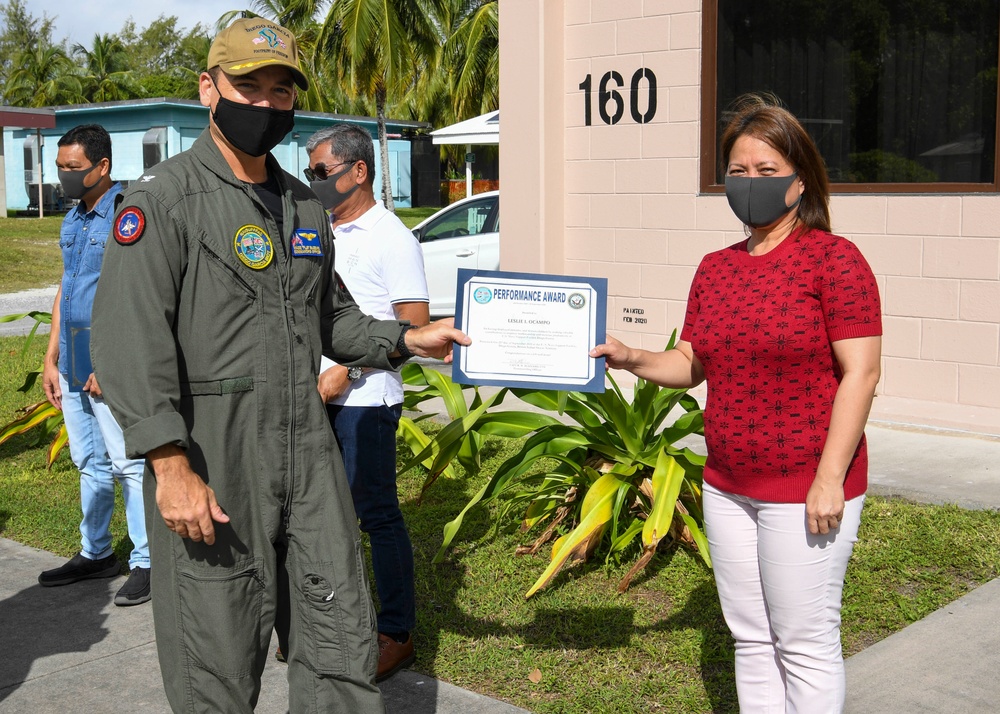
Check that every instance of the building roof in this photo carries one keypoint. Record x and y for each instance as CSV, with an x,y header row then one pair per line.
x,y
131,104
27,118
484,129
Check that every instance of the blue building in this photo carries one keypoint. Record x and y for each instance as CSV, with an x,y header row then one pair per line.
x,y
147,131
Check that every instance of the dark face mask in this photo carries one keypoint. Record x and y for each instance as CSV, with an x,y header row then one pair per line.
x,y
759,201
252,130
73,184
328,193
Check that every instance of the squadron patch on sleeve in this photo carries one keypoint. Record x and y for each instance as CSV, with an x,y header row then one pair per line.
x,y
253,247
130,225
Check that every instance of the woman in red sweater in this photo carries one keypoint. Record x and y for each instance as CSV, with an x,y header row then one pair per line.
x,y
785,327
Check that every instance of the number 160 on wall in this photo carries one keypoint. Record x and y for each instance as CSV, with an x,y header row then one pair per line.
x,y
609,96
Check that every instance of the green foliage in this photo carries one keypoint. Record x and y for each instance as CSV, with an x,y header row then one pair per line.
x,y
106,74
613,475
19,29
41,415
42,76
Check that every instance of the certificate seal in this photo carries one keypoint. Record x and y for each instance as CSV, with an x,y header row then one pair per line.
x,y
482,295
577,300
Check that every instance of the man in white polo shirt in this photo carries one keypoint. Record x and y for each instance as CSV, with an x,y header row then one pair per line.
x,y
380,262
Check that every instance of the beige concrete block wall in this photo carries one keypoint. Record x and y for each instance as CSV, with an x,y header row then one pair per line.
x,y
622,201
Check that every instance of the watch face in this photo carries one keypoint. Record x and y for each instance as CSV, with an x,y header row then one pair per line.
x,y
354,373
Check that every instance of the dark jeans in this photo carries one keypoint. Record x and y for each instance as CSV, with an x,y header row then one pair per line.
x,y
367,439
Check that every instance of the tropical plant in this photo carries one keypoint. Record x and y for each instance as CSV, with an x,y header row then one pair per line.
x,y
376,49
19,28
475,45
42,76
611,476
469,423
41,415
106,74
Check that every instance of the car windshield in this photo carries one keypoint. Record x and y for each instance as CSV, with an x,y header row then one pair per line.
x,y
469,219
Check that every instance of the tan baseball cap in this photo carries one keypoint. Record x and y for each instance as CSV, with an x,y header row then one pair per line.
x,y
254,42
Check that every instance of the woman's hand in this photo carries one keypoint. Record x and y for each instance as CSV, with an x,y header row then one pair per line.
x,y
616,354
824,505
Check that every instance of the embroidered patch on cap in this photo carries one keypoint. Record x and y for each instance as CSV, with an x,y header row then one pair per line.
x,y
253,247
129,226
305,241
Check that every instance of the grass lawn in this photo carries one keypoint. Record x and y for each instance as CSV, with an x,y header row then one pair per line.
x,y
412,216
660,647
29,253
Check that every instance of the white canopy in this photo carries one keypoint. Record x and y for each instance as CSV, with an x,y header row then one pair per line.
x,y
484,129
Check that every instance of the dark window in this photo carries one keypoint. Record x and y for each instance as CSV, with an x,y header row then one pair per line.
x,y
899,95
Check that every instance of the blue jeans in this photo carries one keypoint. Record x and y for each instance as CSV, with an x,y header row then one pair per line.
x,y
97,447
367,440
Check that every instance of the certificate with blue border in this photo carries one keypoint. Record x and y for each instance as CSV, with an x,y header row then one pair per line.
x,y
530,330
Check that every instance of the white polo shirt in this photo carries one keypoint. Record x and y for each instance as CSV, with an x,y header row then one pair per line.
x,y
381,263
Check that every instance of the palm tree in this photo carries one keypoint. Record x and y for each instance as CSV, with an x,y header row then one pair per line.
x,y
106,73
474,47
377,49
43,76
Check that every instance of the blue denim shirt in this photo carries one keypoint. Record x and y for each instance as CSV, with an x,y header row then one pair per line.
x,y
82,239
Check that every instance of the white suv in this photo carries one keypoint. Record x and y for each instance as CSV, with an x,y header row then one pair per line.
x,y
465,234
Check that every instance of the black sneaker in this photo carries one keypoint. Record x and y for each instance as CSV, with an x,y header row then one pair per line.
x,y
135,591
80,568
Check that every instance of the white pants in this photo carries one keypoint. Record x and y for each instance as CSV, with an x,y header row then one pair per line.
x,y
780,589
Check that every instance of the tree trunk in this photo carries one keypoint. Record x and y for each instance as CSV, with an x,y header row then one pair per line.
x,y
383,144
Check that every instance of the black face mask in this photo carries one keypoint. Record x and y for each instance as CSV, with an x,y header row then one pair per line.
x,y
328,193
759,201
252,130
73,184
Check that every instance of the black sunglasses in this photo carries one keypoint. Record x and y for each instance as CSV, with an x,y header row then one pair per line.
x,y
322,171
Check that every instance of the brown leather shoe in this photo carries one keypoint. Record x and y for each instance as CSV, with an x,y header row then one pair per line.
x,y
393,656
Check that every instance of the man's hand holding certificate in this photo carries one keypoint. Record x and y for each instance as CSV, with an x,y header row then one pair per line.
x,y
530,330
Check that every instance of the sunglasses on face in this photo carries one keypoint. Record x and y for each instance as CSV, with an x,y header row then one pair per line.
x,y
321,172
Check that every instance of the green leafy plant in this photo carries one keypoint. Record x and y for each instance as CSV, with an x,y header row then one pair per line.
x,y
609,477
462,439
41,415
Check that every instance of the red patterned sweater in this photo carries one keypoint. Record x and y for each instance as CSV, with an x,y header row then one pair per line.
x,y
762,327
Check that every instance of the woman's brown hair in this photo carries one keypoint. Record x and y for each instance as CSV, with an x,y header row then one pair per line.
x,y
761,116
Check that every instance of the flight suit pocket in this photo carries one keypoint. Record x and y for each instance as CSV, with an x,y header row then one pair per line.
x,y
325,621
220,611
339,617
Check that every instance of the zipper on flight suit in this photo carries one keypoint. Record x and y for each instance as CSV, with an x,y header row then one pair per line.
x,y
284,269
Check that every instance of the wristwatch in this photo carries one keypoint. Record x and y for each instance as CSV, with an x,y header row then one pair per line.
x,y
354,373
401,347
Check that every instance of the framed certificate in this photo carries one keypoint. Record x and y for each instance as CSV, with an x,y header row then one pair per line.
x,y
530,330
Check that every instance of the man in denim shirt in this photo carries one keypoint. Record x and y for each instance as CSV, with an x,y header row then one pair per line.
x,y
95,439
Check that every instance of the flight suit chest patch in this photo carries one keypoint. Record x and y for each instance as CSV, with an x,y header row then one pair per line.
x,y
253,247
305,242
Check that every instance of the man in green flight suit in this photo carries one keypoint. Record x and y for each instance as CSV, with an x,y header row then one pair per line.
x,y
215,302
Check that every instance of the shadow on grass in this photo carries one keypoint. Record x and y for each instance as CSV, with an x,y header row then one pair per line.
x,y
22,443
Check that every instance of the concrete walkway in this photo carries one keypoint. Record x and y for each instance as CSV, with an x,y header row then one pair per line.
x,y
25,301
69,649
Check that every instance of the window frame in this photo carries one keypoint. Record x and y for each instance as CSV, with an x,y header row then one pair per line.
x,y
710,142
